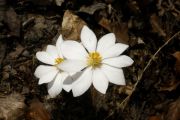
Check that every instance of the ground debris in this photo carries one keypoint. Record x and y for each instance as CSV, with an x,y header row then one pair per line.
x,y
2,51
59,2
154,118
177,65
12,106
156,27
173,111
93,8
119,29
71,26
37,111
16,53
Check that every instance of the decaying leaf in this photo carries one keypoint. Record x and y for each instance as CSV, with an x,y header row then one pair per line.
x,y
11,107
18,50
59,2
177,65
37,111
173,111
93,8
119,29
2,51
172,85
41,2
98,99
126,89
172,82
13,22
154,118
71,26
156,26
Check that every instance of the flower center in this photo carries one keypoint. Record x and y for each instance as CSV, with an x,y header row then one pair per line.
x,y
94,59
59,60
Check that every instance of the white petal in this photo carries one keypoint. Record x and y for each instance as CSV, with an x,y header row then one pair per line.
x,y
76,75
113,74
106,42
67,81
52,50
58,45
73,50
121,61
115,50
72,65
43,70
55,86
100,81
88,39
83,83
45,58
48,77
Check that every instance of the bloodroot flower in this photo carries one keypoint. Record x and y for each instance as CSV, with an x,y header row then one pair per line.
x,y
101,62
50,73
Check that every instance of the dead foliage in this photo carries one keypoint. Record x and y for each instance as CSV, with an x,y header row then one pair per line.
x,y
150,28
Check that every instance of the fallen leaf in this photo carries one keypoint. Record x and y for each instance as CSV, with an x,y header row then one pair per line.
x,y
172,82
170,86
156,27
93,8
15,54
40,2
13,22
98,99
154,118
177,65
11,106
133,6
36,111
71,26
126,89
59,2
2,51
173,111
119,29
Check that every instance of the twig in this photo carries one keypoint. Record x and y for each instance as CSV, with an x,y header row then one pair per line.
x,y
125,101
28,22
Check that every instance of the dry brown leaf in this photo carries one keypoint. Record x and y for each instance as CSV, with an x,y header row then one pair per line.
x,y
126,89
154,118
11,107
93,8
173,111
13,22
98,99
59,2
173,82
170,86
37,111
177,65
71,26
120,30
41,2
2,51
154,20
15,54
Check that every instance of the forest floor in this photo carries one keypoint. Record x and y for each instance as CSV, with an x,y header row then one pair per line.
x,y
150,27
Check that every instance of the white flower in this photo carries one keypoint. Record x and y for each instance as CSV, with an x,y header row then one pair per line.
x,y
50,73
100,61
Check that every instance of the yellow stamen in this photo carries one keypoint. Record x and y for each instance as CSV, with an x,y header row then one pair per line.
x,y
94,59
59,60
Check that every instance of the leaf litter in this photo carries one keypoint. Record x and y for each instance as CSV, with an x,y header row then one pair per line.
x,y
152,81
